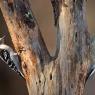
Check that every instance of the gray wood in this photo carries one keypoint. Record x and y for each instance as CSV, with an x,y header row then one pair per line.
x,y
65,73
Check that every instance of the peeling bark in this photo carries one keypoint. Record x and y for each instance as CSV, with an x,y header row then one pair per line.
x,y
65,73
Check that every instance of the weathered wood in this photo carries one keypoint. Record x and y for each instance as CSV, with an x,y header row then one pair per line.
x,y
27,40
74,46
65,73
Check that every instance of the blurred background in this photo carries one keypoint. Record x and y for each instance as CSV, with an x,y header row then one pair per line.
x,y
10,83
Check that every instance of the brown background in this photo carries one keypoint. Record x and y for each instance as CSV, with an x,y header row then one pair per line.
x,y
10,83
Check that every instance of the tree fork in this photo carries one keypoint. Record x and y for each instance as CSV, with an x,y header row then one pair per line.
x,y
65,73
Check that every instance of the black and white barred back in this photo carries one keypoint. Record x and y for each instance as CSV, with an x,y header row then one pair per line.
x,y
5,56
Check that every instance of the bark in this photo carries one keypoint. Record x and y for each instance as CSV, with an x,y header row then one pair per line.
x,y
65,73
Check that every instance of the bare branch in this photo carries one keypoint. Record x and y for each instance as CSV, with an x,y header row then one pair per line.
x,y
66,75
20,13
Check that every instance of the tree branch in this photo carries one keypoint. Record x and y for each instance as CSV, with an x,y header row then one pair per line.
x,y
66,75
74,55
25,30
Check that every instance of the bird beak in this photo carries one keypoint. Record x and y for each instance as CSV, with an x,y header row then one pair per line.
x,y
2,39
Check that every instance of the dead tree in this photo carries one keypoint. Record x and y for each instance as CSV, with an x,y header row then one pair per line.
x,y
64,73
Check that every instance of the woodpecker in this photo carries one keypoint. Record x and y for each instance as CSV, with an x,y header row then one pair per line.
x,y
91,71
10,58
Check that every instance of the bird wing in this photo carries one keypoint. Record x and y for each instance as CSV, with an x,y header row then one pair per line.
x,y
14,57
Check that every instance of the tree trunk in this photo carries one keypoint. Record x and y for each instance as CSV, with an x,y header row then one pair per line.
x,y
65,73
